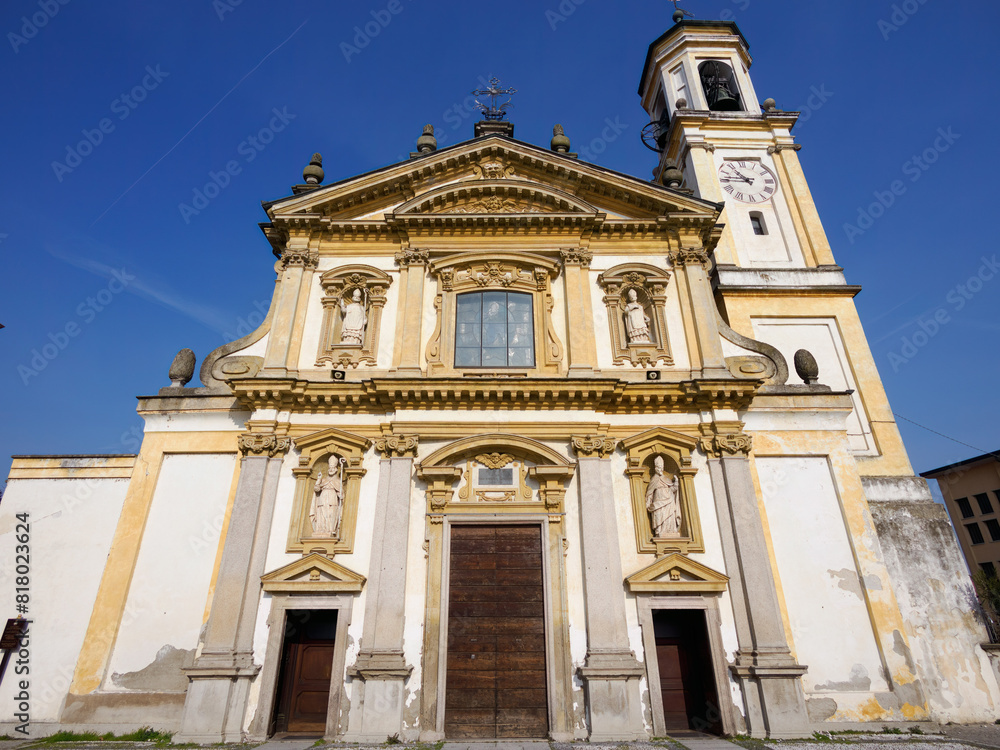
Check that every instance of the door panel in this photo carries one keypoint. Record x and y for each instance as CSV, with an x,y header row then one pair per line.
x,y
306,671
496,683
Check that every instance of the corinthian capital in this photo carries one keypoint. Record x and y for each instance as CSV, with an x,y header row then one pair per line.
x,y
598,446
576,256
411,256
689,256
261,445
720,446
302,257
402,446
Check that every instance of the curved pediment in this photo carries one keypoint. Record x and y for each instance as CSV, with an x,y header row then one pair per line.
x,y
496,197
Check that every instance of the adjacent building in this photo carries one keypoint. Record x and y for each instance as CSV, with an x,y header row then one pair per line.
x,y
971,491
525,447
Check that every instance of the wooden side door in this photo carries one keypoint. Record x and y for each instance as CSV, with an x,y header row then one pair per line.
x,y
306,671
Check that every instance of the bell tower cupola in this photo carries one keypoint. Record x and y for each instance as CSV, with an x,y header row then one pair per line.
x,y
707,126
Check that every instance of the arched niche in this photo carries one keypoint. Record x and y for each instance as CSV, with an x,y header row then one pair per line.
x,y
641,451
650,285
316,452
339,285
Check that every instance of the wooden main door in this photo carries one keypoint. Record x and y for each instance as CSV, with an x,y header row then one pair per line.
x,y
306,668
687,681
495,684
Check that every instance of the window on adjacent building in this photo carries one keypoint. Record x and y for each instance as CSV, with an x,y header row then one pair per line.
x,y
757,222
988,568
974,533
494,329
994,528
965,507
984,503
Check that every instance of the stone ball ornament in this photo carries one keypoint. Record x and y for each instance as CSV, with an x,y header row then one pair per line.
x,y
182,368
806,367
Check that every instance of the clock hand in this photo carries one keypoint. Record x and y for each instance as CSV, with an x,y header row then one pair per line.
x,y
738,179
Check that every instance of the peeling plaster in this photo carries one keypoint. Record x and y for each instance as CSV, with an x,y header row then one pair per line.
x,y
873,583
847,579
162,675
900,647
821,709
858,682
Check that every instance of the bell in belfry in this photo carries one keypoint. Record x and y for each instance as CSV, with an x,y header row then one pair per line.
x,y
720,88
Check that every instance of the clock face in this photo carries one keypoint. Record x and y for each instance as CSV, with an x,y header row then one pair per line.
x,y
747,181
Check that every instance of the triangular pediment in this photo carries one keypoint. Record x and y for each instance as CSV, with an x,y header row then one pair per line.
x,y
491,175
312,573
677,574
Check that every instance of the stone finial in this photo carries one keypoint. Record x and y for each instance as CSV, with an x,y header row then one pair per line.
x,y
681,103
427,143
770,105
678,15
181,369
313,173
806,367
560,142
672,176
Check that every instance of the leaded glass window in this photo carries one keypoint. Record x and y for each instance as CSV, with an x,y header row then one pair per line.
x,y
494,329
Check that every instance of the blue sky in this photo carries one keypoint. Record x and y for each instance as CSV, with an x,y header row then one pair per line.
x,y
118,112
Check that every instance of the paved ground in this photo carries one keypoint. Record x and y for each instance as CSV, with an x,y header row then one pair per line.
x,y
946,738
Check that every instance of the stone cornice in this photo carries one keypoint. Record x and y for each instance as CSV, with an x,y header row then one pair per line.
x,y
384,395
397,446
594,446
261,445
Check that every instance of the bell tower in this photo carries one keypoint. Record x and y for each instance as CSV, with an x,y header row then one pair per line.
x,y
714,137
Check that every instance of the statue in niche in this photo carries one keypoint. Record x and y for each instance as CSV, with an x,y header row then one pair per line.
x,y
636,320
663,503
328,500
352,331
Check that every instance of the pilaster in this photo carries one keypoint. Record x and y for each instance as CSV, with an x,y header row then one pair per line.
x,y
219,681
413,268
297,264
381,669
768,675
694,263
611,672
579,311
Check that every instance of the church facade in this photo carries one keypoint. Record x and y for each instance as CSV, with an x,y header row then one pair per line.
x,y
525,447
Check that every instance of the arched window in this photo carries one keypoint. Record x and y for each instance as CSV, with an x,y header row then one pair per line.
x,y
721,90
494,329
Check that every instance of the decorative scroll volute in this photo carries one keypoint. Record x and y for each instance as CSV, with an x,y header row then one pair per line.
x,y
689,256
726,440
594,446
401,446
263,445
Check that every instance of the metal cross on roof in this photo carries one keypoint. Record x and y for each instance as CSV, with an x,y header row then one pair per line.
x,y
491,111
679,8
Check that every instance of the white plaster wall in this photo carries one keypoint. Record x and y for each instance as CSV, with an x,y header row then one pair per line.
x,y
169,590
71,525
821,336
831,629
